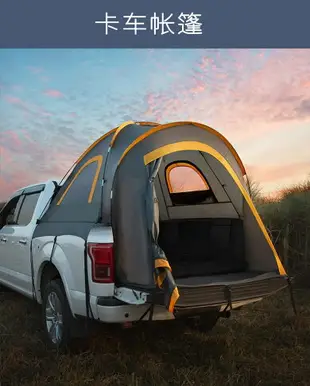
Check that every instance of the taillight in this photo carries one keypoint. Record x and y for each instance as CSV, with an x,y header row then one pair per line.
x,y
102,262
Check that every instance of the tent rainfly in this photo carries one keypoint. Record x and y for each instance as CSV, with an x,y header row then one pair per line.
x,y
137,179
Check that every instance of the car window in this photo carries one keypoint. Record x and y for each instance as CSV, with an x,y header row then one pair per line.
x,y
27,209
10,211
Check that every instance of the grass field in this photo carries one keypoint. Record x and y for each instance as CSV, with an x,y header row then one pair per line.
x,y
264,344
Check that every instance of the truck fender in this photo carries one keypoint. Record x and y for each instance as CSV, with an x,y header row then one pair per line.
x,y
60,262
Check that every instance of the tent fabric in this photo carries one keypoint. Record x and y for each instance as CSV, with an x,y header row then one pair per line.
x,y
115,182
162,272
131,161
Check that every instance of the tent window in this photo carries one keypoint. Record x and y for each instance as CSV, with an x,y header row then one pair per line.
x,y
187,185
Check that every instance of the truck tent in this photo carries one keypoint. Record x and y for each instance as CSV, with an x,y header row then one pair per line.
x,y
125,180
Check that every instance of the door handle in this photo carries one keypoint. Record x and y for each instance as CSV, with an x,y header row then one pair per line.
x,y
24,242
4,239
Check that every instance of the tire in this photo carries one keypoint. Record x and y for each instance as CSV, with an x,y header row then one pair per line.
x,y
205,322
3,288
56,316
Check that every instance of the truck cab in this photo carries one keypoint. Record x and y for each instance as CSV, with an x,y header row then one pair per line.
x,y
18,220
54,271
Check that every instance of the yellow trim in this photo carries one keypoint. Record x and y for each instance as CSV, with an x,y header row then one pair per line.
x,y
107,134
119,129
148,123
113,139
173,124
98,159
173,299
94,144
162,263
188,165
194,145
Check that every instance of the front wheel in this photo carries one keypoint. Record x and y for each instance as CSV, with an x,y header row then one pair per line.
x,y
56,314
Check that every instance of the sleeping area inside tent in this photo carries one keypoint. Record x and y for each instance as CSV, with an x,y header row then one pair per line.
x,y
203,220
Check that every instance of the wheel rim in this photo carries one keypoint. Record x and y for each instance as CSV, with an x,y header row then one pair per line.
x,y
53,317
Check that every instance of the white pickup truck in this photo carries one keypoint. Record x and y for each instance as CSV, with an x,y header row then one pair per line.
x,y
53,274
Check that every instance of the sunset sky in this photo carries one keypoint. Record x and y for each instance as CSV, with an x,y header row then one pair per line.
x,y
54,103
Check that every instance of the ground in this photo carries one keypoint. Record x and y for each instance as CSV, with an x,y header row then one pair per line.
x,y
262,345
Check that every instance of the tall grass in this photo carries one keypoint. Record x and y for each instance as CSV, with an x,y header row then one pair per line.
x,y
254,189
287,217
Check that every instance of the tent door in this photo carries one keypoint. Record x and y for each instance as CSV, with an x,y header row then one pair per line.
x,y
202,237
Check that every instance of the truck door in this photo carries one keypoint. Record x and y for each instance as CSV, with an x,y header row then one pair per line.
x,y
19,248
8,218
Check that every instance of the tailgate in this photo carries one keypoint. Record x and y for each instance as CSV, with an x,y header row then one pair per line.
x,y
227,289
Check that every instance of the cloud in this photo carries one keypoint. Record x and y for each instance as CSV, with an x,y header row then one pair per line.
x,y
22,148
18,103
5,156
13,100
229,90
53,93
30,109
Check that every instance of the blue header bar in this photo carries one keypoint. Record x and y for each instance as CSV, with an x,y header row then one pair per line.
x,y
154,24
